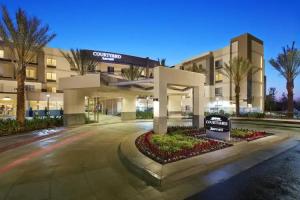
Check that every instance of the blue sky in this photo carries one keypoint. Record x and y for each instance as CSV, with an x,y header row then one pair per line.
x,y
170,29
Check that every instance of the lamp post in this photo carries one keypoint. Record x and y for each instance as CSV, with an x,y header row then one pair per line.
x,y
48,103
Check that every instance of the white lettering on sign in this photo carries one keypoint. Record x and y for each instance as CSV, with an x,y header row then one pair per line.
x,y
107,56
217,122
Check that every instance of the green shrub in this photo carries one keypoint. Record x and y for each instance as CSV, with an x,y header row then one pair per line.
x,y
174,141
11,126
256,115
144,115
240,133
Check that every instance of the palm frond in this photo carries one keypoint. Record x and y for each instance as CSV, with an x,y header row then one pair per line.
x,y
287,63
197,68
25,36
132,73
80,61
238,69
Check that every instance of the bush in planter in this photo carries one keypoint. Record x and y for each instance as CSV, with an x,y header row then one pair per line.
x,y
11,126
8,126
256,115
144,114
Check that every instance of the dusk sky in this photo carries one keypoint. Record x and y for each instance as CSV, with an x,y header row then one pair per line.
x,y
175,30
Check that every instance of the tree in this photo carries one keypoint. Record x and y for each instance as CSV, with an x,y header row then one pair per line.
x,y
80,61
283,102
162,62
270,102
287,64
238,69
197,68
132,73
24,36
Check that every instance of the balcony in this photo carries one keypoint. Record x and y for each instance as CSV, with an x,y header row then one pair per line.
x,y
51,80
51,66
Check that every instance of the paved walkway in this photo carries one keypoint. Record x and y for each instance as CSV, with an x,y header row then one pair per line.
x,y
16,140
82,163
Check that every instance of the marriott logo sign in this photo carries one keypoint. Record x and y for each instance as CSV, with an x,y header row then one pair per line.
x,y
107,56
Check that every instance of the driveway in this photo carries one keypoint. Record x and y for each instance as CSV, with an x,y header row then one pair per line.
x,y
80,164
83,163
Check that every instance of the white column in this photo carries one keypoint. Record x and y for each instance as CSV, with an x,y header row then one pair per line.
x,y
73,107
198,108
128,108
174,104
160,103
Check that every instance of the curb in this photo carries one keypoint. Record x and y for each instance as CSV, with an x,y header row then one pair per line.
x,y
152,172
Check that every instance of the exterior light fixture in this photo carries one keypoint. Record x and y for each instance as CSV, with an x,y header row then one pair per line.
x,y
6,98
155,99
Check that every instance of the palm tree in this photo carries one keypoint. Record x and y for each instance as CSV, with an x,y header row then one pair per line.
x,y
237,70
288,65
24,36
132,73
197,68
162,62
80,61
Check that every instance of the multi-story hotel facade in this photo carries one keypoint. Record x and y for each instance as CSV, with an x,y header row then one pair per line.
x,y
49,66
219,89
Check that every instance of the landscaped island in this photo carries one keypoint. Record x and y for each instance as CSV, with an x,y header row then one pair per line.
x,y
183,142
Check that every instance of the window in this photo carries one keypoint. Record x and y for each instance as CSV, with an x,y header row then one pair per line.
x,y
51,62
30,73
51,76
1,53
218,64
219,91
110,69
219,76
51,89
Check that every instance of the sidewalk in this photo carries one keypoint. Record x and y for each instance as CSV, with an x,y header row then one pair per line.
x,y
13,141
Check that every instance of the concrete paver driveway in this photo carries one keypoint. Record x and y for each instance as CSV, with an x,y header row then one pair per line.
x,y
80,164
83,163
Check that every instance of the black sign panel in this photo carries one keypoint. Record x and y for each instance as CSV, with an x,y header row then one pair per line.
x,y
217,123
109,57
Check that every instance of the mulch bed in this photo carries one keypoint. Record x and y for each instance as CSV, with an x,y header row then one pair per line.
x,y
151,150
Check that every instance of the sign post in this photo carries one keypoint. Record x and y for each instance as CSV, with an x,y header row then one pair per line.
x,y
217,126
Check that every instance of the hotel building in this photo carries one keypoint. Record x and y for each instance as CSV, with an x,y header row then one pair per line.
x,y
49,66
219,89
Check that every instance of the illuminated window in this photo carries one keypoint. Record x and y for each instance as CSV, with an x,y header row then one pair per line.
x,y
51,89
1,53
31,73
219,77
51,61
51,76
219,91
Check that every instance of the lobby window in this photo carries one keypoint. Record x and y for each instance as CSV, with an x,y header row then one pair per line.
x,y
51,76
110,69
219,91
219,77
218,64
51,62
30,74
1,53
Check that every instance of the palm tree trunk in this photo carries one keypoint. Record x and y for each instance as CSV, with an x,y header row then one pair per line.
x,y
21,75
290,106
237,100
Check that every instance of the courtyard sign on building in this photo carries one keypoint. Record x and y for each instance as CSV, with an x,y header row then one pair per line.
x,y
110,57
107,56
